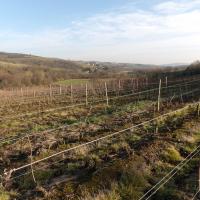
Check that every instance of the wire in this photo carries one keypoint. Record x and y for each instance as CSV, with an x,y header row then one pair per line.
x,y
194,197
99,139
176,169
147,192
21,136
83,104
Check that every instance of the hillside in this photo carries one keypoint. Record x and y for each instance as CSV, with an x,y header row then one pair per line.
x,y
26,70
18,70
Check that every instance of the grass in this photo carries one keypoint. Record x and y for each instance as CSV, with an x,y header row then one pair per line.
x,y
73,81
7,195
130,176
104,195
121,180
10,65
172,155
4,195
41,177
168,193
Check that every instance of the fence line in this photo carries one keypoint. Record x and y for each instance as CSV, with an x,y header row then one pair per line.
x,y
98,101
10,139
47,96
103,138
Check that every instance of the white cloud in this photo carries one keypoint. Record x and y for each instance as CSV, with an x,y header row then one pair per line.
x,y
177,6
167,32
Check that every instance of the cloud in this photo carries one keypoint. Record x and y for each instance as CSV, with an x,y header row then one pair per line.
x,y
165,32
169,7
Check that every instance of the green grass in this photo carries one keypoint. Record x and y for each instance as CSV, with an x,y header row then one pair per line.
x,y
171,155
4,195
10,65
73,81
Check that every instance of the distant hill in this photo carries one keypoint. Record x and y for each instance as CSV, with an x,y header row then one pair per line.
x,y
119,66
25,70
178,72
194,68
175,65
22,60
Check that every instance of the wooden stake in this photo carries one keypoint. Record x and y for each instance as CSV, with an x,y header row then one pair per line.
x,y
132,81
71,92
60,89
156,131
166,81
86,94
31,156
159,94
22,94
106,94
50,91
198,109
119,86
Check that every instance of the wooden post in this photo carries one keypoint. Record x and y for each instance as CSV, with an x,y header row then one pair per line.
x,y
156,130
119,86
159,94
60,89
50,91
71,93
181,95
86,94
22,94
106,94
166,85
198,109
132,81
39,107
31,157
34,93
166,81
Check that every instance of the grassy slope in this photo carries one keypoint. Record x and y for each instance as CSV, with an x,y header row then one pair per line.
x,y
142,165
127,179
25,70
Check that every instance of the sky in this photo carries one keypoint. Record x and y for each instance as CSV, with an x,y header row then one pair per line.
x,y
133,31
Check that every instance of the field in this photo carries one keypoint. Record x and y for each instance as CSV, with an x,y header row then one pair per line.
x,y
104,140
73,81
